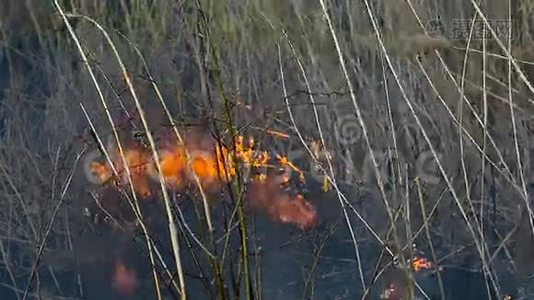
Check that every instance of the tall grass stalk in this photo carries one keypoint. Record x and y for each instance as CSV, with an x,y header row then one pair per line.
x,y
172,227
237,188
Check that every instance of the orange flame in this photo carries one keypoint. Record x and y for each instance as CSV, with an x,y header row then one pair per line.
x,y
212,167
421,263
173,163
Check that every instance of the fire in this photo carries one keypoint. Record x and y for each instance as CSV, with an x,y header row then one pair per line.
x,y
268,196
294,211
212,167
138,162
390,293
173,164
421,263
285,162
124,280
212,163
100,171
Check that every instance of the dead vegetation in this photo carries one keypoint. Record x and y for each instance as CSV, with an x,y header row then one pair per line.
x,y
410,123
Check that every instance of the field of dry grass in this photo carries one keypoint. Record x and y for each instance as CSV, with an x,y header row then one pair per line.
x,y
266,149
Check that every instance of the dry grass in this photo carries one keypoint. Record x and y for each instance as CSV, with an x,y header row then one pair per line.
x,y
405,137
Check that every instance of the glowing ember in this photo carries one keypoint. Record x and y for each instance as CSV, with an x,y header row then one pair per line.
x,y
390,293
100,171
269,197
124,280
295,211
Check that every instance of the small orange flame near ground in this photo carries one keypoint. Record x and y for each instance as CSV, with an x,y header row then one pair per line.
x,y
421,263
124,279
213,164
